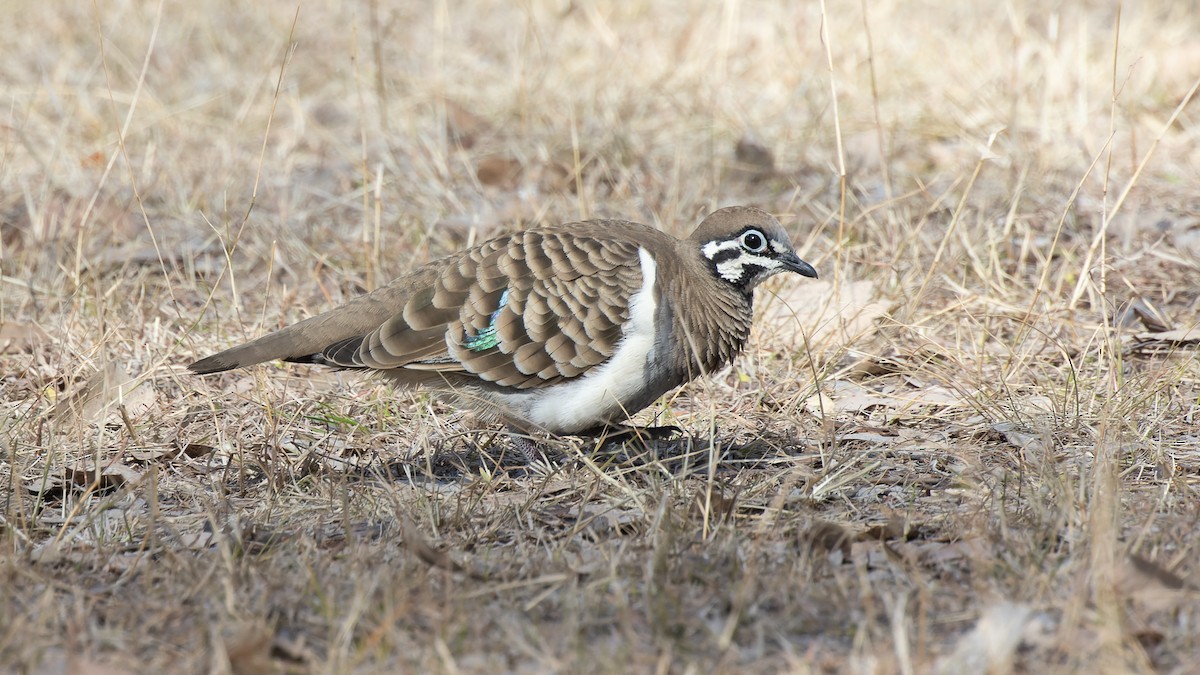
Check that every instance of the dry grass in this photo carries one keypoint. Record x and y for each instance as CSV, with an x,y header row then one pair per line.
x,y
998,474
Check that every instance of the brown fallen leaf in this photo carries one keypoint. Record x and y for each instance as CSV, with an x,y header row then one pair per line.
x,y
846,396
499,172
897,527
830,315
1036,447
20,337
102,395
109,477
1178,337
829,537
1163,342
873,366
718,505
197,541
1183,231
874,438
849,397
80,477
752,161
168,452
600,521
569,167
431,556
1152,587
1150,315
463,126
249,650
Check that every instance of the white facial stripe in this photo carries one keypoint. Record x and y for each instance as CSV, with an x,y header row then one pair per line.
x,y
779,246
712,248
732,270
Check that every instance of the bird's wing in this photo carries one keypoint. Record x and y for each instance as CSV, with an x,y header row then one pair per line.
x,y
523,311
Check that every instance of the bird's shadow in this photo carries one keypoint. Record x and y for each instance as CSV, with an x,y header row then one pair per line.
x,y
502,454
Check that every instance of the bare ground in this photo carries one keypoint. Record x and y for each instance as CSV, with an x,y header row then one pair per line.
x,y
972,447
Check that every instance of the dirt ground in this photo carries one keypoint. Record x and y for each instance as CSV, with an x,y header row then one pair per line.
x,y
972,446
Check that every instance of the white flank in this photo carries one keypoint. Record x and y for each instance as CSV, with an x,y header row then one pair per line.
x,y
598,397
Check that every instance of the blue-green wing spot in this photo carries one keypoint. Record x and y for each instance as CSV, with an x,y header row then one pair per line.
x,y
487,339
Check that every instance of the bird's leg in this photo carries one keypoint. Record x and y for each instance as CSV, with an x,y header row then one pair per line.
x,y
621,434
524,448
516,454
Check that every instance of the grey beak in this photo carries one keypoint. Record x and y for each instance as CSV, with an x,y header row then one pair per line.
x,y
793,263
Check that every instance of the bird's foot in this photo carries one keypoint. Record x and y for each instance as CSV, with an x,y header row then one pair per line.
x,y
508,453
621,434
523,447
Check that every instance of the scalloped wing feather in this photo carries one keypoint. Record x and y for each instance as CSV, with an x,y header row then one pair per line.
x,y
524,311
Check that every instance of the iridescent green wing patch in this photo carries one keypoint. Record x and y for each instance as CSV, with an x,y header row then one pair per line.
x,y
487,339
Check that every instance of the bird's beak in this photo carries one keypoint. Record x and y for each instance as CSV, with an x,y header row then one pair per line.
x,y
793,263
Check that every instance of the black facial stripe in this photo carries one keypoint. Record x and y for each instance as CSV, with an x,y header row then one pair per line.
x,y
751,270
726,255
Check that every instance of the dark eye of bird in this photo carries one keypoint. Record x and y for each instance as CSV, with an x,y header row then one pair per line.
x,y
754,241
